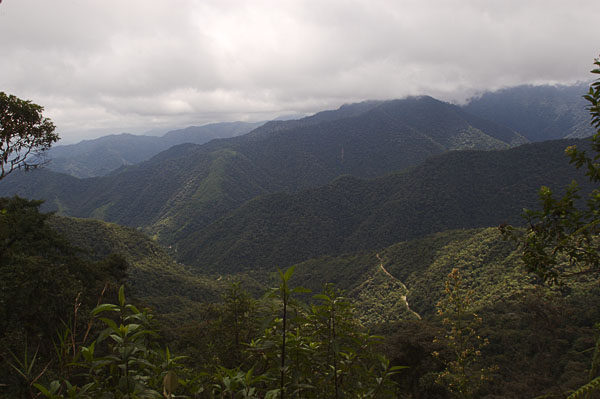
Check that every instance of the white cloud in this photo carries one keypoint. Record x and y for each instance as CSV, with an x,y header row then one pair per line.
x,y
109,66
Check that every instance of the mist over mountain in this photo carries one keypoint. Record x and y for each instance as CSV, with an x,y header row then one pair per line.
x,y
537,112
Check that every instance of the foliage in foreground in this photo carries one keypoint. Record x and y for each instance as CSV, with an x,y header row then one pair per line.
x,y
564,229
42,274
309,351
463,374
563,239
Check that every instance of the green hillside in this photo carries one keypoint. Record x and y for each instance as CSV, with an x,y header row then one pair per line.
x,y
153,276
413,272
462,189
538,337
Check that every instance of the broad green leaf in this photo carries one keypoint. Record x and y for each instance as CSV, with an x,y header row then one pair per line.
x,y
110,324
170,383
322,297
288,273
301,290
122,295
88,352
132,308
43,390
104,307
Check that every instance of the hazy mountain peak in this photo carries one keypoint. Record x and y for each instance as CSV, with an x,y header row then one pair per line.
x,y
103,155
539,113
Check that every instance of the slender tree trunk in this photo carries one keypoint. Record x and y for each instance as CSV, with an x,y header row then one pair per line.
x,y
282,383
335,379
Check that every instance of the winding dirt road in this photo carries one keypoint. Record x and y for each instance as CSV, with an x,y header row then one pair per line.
x,y
383,269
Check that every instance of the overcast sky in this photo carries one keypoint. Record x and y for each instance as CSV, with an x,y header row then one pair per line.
x,y
112,66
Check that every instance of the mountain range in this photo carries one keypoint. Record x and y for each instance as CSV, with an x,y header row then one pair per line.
x,y
459,189
381,198
357,178
98,157
187,187
537,112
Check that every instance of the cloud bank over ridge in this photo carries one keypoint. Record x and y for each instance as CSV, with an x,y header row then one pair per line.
x,y
109,66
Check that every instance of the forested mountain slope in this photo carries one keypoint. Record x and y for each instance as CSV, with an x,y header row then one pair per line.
x,y
487,262
101,156
537,112
538,337
461,189
153,276
184,189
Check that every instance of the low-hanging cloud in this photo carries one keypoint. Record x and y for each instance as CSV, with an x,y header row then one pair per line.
x,y
109,66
